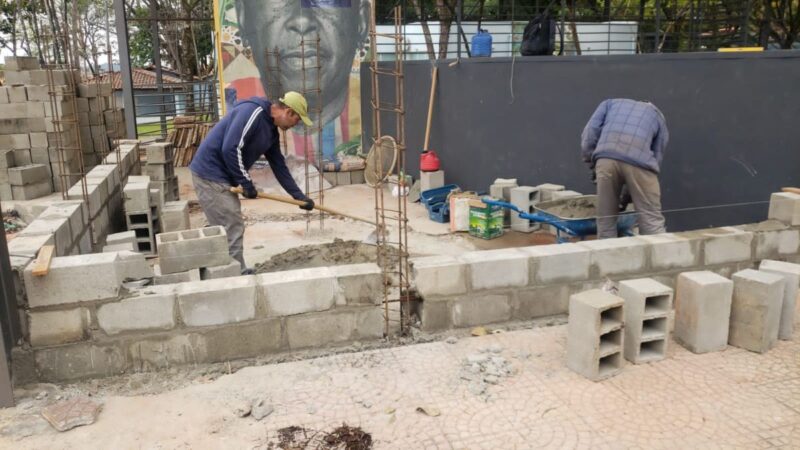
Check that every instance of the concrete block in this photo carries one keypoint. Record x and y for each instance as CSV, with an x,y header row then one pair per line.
x,y
321,329
160,171
17,141
22,157
27,174
776,243
146,312
4,100
435,315
542,302
702,311
58,327
14,111
128,246
72,210
20,77
671,251
178,277
557,263
59,227
785,206
192,249
616,256
755,310
479,310
37,93
492,269
74,279
594,334
727,244
439,276
136,196
232,269
217,302
159,152
80,361
17,63
648,305
175,216
546,191
133,266
17,94
523,197
5,192
6,158
791,280
501,188
358,284
297,291
121,238
29,245
431,180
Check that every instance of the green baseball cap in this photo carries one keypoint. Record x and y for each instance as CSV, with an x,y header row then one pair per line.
x,y
298,103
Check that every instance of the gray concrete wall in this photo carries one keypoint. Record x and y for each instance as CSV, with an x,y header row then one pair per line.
x,y
733,120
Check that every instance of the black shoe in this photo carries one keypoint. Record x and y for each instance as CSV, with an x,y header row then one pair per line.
x,y
248,271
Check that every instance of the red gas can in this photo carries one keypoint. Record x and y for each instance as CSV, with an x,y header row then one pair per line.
x,y
429,161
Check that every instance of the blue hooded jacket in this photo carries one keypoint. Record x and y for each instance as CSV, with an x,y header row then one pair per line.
x,y
237,141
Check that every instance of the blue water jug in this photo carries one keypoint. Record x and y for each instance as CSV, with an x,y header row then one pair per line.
x,y
482,44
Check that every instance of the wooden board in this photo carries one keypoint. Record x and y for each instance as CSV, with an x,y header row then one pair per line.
x,y
41,266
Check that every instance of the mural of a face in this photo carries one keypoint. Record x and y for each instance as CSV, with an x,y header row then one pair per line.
x,y
342,28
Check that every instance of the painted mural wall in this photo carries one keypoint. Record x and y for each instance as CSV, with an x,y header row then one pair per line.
x,y
253,31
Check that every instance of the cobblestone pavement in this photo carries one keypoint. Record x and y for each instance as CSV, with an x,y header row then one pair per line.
x,y
729,399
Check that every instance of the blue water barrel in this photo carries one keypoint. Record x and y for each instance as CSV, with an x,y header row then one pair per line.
x,y
482,44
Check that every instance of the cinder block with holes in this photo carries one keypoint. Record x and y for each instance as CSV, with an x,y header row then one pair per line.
x,y
192,249
648,304
523,197
594,334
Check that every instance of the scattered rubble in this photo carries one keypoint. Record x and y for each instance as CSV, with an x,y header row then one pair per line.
x,y
485,368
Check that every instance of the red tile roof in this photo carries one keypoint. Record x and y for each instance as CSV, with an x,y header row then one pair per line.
x,y
142,79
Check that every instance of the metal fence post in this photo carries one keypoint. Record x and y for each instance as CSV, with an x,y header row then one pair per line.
x,y
121,22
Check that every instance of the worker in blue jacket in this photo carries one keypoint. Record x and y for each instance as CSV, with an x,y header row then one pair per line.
x,y
248,131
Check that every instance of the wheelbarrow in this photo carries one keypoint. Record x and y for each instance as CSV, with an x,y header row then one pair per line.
x,y
577,227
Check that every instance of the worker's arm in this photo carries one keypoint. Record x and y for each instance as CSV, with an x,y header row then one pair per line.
x,y
239,134
591,133
661,139
282,174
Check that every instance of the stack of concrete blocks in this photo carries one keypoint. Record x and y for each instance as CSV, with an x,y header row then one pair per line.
x,y
595,338
755,310
181,254
547,190
141,214
791,279
161,169
430,180
29,181
100,124
103,197
501,190
343,178
648,305
175,216
703,311
524,198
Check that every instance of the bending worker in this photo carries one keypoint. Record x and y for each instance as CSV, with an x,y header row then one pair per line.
x,y
624,142
248,131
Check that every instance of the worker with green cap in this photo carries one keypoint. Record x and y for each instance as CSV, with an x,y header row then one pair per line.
x,y
248,131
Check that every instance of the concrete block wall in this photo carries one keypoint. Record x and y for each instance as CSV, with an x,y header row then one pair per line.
x,y
486,287
106,331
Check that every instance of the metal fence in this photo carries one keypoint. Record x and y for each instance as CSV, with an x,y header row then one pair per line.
x,y
587,27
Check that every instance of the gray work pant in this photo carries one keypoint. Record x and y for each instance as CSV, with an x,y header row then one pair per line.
x,y
222,207
645,192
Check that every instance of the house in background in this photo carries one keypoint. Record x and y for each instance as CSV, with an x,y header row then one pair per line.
x,y
146,96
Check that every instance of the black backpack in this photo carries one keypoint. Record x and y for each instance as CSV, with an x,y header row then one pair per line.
x,y
539,37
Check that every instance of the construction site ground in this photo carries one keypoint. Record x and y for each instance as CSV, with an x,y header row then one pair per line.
x,y
418,396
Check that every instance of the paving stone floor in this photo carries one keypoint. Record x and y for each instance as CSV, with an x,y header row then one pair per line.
x,y
729,399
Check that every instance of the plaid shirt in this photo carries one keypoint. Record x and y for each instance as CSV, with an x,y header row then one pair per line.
x,y
628,131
